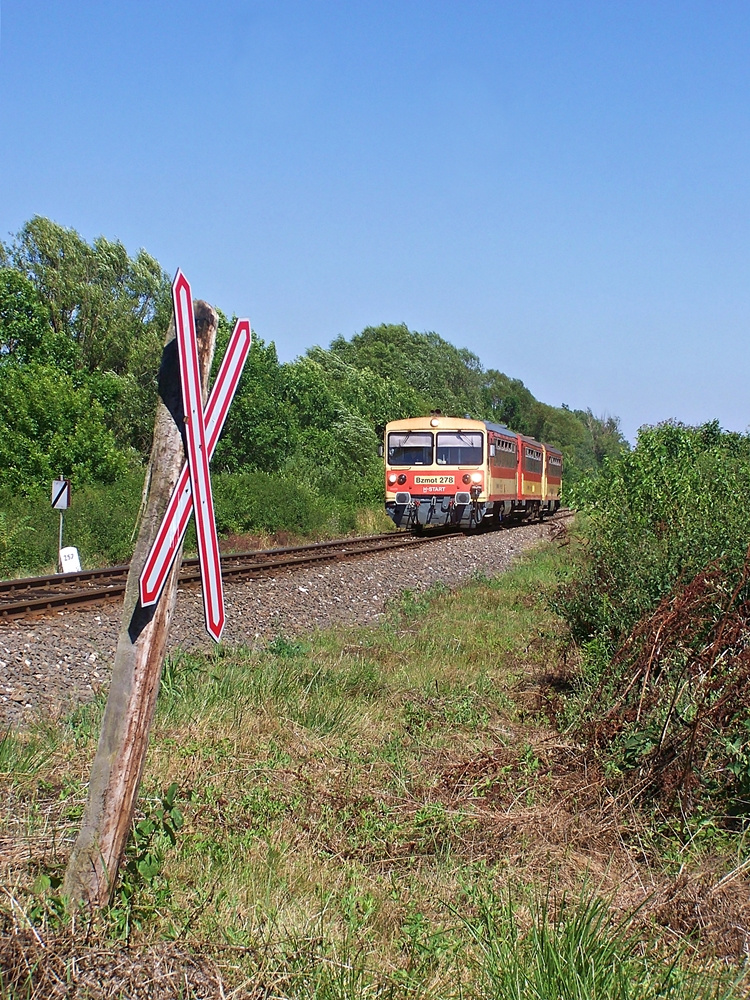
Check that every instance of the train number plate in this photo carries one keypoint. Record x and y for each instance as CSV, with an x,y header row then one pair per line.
x,y
434,480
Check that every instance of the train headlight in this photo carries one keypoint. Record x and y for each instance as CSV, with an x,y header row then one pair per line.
x,y
476,477
392,478
401,479
466,478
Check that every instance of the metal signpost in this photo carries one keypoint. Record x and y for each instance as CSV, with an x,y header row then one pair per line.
x,y
61,502
193,489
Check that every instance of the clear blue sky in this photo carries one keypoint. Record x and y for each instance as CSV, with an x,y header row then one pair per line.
x,y
560,186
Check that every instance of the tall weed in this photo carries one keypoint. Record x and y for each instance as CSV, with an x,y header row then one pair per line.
x,y
538,948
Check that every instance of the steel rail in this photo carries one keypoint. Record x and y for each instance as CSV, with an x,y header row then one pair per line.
x,y
57,580
54,592
251,565
30,583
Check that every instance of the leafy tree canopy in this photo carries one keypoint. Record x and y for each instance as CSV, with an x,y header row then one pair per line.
x,y
113,307
262,429
91,311
81,333
52,427
445,377
23,321
421,371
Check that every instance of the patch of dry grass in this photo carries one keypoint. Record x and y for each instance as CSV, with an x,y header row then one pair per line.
x,y
348,800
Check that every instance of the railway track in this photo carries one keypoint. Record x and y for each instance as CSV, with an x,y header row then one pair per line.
x,y
43,595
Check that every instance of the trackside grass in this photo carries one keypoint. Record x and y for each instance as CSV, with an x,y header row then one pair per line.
x,y
382,812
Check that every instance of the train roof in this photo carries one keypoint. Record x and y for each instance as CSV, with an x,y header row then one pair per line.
x,y
499,429
443,420
446,421
540,444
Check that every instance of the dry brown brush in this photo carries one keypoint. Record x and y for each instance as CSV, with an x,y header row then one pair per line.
x,y
678,697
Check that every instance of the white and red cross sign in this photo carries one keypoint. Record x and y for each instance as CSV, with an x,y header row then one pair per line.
x,y
193,489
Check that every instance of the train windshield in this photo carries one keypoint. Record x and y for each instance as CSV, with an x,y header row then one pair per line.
x,y
459,448
410,448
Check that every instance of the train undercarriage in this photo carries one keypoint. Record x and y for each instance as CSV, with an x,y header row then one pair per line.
x,y
464,511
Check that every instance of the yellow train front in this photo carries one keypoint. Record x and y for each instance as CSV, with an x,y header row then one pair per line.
x,y
457,471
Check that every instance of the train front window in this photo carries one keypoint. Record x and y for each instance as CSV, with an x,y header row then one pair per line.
x,y
459,448
410,448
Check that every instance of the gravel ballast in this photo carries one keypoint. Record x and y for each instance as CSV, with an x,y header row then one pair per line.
x,y
49,665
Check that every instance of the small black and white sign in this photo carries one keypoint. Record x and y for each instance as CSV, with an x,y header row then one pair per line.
x,y
60,494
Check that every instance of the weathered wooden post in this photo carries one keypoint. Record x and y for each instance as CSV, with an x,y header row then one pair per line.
x,y
116,772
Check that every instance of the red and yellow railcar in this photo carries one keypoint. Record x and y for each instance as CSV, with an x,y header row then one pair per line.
x,y
450,470
553,466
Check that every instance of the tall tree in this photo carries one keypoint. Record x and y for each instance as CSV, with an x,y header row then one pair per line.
x,y
114,307
107,313
445,376
23,320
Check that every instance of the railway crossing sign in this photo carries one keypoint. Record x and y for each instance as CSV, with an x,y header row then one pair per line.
x,y
180,506
193,489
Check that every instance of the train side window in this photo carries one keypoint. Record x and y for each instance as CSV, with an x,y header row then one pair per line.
x,y
410,448
532,460
505,454
509,455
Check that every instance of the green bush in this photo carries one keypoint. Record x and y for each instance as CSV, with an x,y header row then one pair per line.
x,y
259,501
100,523
660,603
656,515
28,533
50,425
102,520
